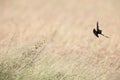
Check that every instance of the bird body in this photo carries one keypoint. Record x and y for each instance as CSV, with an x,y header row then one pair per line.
x,y
98,31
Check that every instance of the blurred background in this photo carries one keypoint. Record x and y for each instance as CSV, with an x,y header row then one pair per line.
x,y
66,26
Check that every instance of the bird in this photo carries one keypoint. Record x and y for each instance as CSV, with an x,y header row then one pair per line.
x,y
98,31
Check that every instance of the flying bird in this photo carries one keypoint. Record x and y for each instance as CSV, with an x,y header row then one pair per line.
x,y
98,31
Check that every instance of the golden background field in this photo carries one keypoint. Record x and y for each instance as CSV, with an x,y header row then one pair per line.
x,y
66,26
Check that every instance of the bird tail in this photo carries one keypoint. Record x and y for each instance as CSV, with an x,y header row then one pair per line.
x,y
105,36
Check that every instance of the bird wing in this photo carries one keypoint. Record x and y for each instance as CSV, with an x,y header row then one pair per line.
x,y
97,26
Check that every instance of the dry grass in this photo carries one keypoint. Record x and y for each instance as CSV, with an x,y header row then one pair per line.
x,y
53,40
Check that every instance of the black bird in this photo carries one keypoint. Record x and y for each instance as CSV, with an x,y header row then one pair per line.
x,y
98,31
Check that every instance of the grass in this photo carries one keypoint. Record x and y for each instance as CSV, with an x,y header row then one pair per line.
x,y
35,63
22,67
67,50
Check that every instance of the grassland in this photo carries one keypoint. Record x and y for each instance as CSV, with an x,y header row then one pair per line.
x,y
53,40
